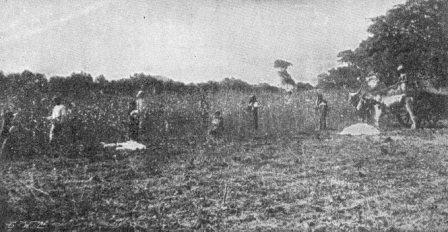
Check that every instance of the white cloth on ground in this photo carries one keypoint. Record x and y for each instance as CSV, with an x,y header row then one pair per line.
x,y
360,129
130,145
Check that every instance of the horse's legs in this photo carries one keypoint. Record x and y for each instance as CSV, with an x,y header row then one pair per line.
x,y
408,105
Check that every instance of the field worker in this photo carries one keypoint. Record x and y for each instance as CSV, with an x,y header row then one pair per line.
x,y
402,73
253,107
140,100
75,123
133,121
373,83
141,108
321,111
39,131
404,80
8,132
167,112
205,109
58,119
362,109
217,127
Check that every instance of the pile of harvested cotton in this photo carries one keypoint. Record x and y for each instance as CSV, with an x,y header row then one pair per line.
x,y
360,129
128,145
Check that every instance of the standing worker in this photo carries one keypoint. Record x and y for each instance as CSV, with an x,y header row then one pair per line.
x,y
133,121
217,127
75,123
58,118
8,129
253,107
140,107
321,111
205,109
38,130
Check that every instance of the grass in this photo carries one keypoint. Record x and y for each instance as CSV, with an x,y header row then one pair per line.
x,y
105,117
284,177
335,183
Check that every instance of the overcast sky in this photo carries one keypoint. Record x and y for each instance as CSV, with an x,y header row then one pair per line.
x,y
189,41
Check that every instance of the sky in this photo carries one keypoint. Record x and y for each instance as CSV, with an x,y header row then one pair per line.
x,y
188,41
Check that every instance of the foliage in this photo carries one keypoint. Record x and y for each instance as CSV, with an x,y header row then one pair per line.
x,y
286,78
102,116
26,85
77,84
341,77
281,64
304,86
235,84
414,34
248,181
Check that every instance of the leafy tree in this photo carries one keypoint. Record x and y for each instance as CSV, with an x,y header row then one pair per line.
x,y
235,84
101,79
27,85
80,83
77,84
414,35
264,87
286,79
101,83
340,77
304,86
3,85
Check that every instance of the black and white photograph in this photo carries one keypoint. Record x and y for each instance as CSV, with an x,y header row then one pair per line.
x,y
224,115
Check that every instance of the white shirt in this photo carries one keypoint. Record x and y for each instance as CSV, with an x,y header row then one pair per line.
x,y
59,113
255,104
140,104
140,94
140,101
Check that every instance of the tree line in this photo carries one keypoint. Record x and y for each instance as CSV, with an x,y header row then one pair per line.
x,y
28,85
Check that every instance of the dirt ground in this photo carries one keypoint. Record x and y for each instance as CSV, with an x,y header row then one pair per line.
x,y
396,181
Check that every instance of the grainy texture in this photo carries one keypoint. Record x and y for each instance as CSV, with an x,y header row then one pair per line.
x,y
393,181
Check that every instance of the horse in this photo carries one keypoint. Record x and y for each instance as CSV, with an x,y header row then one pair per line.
x,y
392,98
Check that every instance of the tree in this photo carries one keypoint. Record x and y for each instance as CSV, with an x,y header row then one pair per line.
x,y
101,80
304,86
101,83
414,35
3,85
281,64
264,87
235,84
340,77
